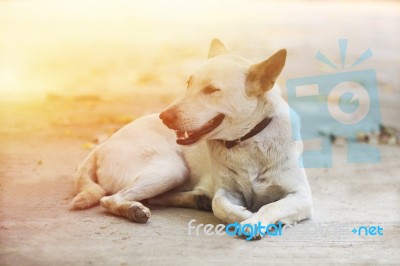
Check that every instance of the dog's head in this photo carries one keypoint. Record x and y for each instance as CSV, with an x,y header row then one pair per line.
x,y
223,96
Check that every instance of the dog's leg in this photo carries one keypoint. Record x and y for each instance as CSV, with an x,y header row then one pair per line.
x,y
133,210
151,182
228,208
295,207
87,191
190,199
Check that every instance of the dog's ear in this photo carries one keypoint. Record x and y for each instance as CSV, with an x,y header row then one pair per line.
x,y
262,76
216,48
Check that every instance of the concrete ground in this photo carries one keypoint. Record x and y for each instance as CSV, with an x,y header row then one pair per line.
x,y
39,159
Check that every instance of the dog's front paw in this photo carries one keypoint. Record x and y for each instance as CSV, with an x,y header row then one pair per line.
x,y
138,213
249,232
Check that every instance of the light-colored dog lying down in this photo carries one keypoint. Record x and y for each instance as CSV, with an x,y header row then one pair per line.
x,y
226,146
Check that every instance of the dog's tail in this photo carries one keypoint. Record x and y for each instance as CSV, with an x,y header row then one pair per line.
x,y
88,192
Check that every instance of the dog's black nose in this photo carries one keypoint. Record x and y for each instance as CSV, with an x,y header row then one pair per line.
x,y
169,117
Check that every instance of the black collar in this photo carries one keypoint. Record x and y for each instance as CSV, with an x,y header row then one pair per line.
x,y
257,129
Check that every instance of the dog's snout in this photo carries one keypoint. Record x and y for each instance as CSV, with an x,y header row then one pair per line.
x,y
169,117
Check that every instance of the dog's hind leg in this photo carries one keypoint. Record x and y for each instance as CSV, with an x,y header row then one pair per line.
x,y
190,199
151,181
88,192
131,209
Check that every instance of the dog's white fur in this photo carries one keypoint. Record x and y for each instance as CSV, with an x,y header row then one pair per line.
x,y
258,180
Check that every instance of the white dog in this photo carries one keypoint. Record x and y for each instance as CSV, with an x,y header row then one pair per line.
x,y
244,158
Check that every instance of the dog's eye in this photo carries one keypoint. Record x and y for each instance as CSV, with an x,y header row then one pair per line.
x,y
210,90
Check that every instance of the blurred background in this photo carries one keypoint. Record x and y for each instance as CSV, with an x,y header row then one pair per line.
x,y
121,59
125,47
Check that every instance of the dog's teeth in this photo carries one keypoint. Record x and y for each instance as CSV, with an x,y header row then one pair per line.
x,y
186,135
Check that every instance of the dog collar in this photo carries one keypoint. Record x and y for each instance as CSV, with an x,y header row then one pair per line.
x,y
257,129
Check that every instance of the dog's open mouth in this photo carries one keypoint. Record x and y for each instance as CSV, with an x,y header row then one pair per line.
x,y
190,137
